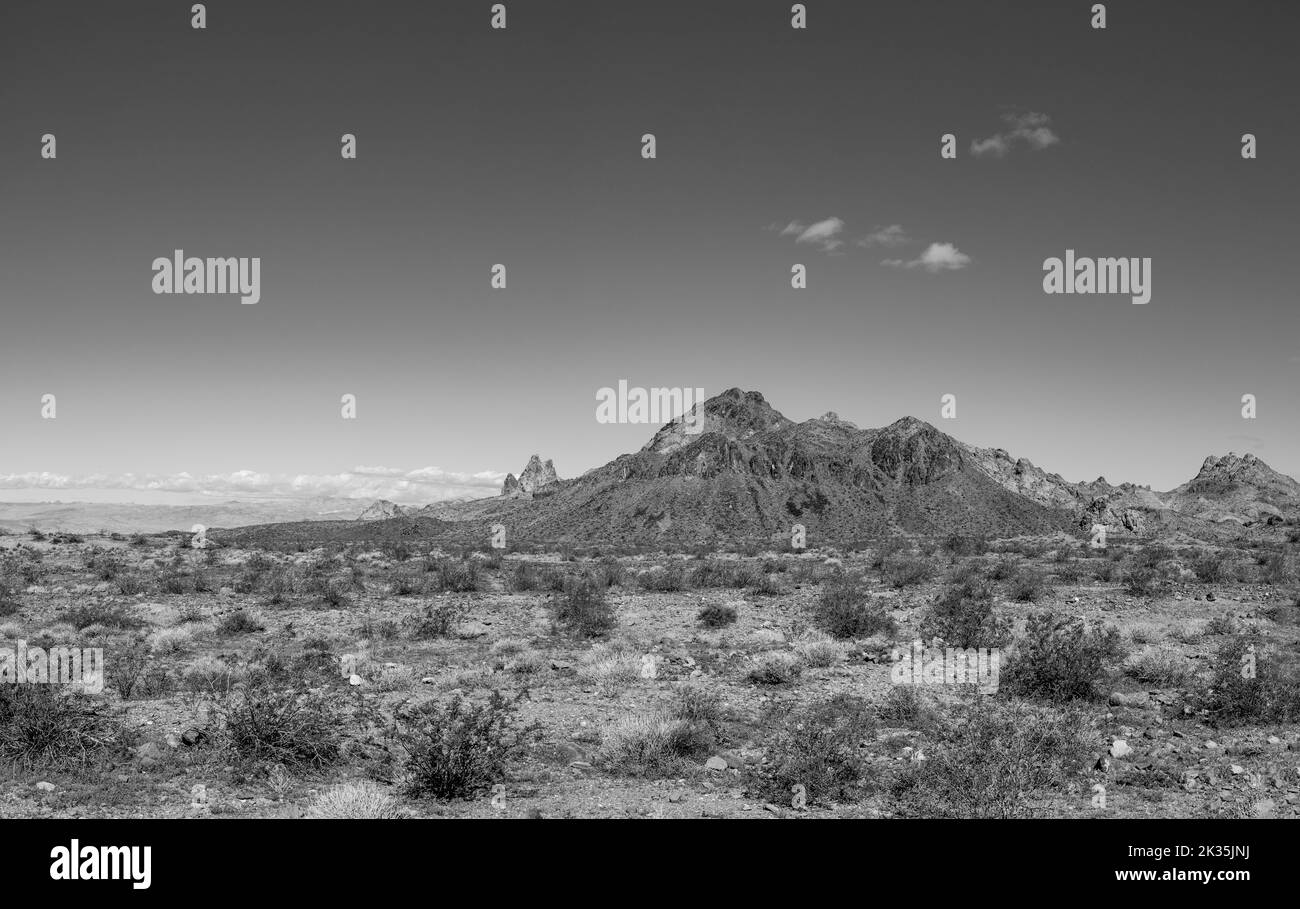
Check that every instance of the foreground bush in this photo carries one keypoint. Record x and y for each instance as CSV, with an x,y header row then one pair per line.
x,y
300,728
716,615
963,616
1059,659
583,608
459,749
842,610
993,759
354,801
42,727
901,570
1249,684
819,748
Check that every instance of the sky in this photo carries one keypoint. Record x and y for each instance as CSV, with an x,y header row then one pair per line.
x,y
523,146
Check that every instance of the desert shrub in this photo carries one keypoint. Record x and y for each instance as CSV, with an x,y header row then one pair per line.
x,y
525,577
966,571
902,570
583,608
507,647
774,668
457,576
670,578
1026,587
1249,684
1210,568
1059,659
43,727
1278,569
459,749
1104,570
818,747
209,676
611,667
716,615
335,595
407,583
280,585
1003,569
129,583
1221,624
174,582
881,553
298,727
354,801
963,616
908,707
994,759
699,706
530,662
960,545
722,573
1145,581
768,584
609,571
652,745
124,668
842,610
818,649
1153,666
238,622
172,640
117,618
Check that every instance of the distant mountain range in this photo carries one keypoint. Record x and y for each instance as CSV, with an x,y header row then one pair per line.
x,y
752,473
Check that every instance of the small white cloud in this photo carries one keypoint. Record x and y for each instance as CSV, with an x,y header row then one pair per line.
x,y
936,258
822,234
1029,128
893,235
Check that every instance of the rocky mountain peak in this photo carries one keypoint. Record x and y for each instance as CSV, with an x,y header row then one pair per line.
x,y
382,510
537,475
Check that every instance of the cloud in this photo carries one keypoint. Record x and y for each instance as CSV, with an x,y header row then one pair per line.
x,y
893,235
424,484
1027,128
823,234
936,258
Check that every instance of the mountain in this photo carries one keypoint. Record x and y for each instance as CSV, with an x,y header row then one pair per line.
x,y
736,468
382,510
1237,490
739,468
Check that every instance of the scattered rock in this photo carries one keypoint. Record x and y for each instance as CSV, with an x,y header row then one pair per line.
x,y
192,736
1126,699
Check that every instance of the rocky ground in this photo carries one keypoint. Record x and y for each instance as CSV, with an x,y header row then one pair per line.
x,y
668,705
